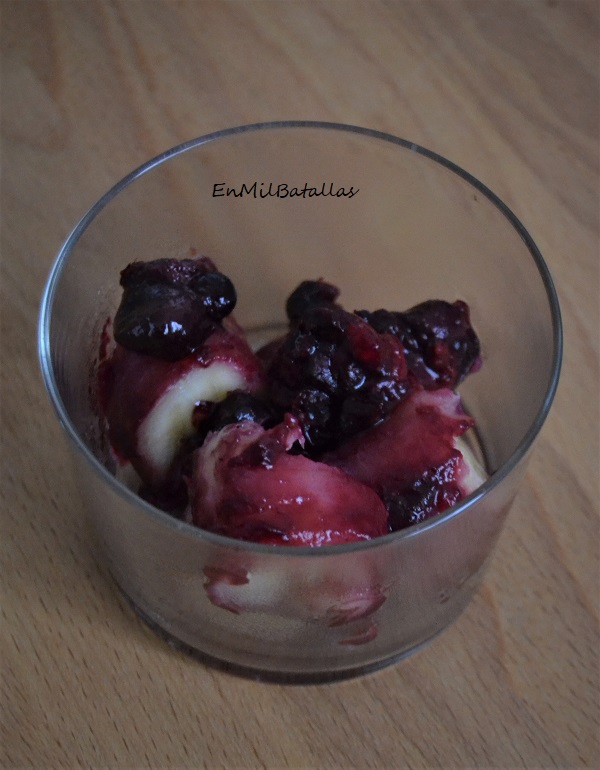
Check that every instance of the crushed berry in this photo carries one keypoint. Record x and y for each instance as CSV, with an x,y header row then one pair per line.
x,y
336,373
439,343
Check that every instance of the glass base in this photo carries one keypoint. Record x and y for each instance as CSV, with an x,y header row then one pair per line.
x,y
267,676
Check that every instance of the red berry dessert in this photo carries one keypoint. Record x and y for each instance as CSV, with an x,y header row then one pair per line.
x,y
345,428
175,355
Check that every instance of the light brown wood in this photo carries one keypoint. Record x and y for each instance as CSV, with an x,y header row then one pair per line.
x,y
509,91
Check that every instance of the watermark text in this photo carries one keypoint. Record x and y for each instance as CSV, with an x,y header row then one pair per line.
x,y
282,190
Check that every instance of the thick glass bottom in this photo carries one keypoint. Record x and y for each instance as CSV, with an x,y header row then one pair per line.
x,y
273,676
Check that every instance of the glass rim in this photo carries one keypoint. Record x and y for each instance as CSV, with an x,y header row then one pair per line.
x,y
493,481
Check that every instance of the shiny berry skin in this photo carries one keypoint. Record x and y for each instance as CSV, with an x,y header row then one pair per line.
x,y
161,320
216,292
170,307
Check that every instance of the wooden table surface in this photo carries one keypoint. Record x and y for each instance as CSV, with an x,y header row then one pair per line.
x,y
506,89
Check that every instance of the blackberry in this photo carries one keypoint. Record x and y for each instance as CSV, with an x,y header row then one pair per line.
x,y
336,373
439,343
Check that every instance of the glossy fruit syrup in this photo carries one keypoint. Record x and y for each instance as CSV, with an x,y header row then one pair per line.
x,y
345,427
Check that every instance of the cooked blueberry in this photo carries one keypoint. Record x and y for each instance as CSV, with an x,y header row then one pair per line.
x,y
175,272
216,292
310,294
238,406
169,307
161,320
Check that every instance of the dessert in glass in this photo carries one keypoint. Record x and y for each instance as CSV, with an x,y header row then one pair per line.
x,y
307,482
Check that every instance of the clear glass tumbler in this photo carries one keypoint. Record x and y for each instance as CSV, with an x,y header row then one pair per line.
x,y
415,227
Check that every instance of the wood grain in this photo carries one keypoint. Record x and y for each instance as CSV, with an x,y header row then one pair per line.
x,y
509,91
